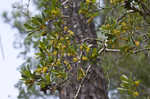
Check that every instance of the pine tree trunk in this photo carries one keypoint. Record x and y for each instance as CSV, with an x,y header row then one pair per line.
x,y
95,86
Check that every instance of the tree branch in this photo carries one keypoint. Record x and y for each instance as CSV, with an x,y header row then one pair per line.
x,y
134,52
112,50
140,50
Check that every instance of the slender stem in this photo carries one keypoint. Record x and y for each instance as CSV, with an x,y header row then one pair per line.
x,y
87,71
82,82
140,50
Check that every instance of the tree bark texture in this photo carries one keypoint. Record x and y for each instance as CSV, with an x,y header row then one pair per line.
x,y
95,86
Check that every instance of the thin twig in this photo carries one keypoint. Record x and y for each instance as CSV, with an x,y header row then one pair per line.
x,y
112,50
124,15
87,71
134,52
28,4
82,82
140,50
86,39
65,2
101,50
2,51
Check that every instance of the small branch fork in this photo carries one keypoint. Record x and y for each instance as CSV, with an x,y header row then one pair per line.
x,y
87,71
82,82
104,48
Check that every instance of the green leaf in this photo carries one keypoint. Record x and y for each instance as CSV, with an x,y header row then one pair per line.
x,y
27,26
122,90
124,78
94,52
81,74
47,77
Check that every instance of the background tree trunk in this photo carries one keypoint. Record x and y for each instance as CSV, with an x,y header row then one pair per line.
x,y
95,86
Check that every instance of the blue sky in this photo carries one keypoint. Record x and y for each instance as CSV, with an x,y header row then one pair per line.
x,y
8,65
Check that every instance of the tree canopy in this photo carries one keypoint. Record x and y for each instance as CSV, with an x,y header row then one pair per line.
x,y
75,55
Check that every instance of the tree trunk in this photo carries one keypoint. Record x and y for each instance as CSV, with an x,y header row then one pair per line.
x,y
95,86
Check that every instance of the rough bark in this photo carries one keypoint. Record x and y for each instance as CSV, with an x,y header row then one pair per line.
x,y
95,86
